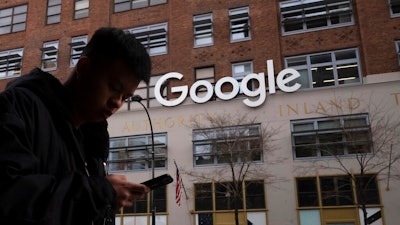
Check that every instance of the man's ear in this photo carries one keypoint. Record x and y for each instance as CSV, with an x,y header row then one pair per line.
x,y
82,67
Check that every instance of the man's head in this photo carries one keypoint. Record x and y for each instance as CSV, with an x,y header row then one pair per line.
x,y
108,44
111,66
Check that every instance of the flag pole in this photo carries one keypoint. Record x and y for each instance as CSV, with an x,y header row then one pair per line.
x,y
183,185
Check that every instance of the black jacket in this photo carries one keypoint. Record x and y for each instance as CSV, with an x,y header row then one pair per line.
x,y
43,158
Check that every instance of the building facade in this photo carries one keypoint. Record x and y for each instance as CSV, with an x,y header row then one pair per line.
x,y
320,76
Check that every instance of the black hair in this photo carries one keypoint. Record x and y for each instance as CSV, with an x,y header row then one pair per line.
x,y
110,43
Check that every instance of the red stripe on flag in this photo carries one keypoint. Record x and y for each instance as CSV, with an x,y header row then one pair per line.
x,y
178,188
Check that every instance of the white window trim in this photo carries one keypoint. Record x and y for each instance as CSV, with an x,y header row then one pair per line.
x,y
300,6
144,35
50,53
4,60
333,63
204,20
238,14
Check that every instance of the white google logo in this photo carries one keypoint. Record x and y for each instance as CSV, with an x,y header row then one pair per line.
x,y
282,81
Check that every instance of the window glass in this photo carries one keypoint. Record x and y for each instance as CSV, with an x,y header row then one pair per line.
x,y
394,8
13,19
53,11
134,153
303,15
239,24
125,5
307,192
11,63
203,196
215,146
153,37
337,135
77,44
81,9
49,55
203,30
335,68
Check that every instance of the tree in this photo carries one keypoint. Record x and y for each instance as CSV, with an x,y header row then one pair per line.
x,y
372,151
237,144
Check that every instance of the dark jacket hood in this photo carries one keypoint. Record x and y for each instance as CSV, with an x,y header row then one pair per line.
x,y
48,88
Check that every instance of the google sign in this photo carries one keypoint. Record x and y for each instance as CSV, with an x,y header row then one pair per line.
x,y
283,79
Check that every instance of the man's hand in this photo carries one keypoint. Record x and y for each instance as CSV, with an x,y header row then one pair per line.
x,y
126,191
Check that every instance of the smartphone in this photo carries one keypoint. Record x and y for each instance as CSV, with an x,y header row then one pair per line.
x,y
158,181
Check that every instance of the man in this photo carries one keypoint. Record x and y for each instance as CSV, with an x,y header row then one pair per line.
x,y
54,138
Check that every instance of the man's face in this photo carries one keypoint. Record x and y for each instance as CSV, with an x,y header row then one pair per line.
x,y
104,89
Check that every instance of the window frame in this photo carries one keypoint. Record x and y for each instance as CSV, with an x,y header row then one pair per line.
x,y
77,45
146,91
318,191
239,23
12,59
126,5
298,8
240,75
126,158
394,7
318,136
305,66
50,55
81,9
205,147
212,197
397,45
203,29
153,37
55,5
17,19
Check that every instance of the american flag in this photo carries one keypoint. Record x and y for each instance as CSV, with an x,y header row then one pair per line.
x,y
178,188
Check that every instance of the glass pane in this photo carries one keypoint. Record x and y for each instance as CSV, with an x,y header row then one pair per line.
x,y
322,58
303,126
328,124
306,151
348,73
307,192
336,191
203,197
255,198
322,76
355,122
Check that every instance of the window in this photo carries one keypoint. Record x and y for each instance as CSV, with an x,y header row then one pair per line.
x,y
125,5
394,8
134,153
299,16
252,191
336,68
81,9
331,136
141,209
77,45
215,146
337,191
13,19
147,92
53,11
240,70
203,30
239,24
49,55
397,43
153,37
207,74
336,195
142,205
10,63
